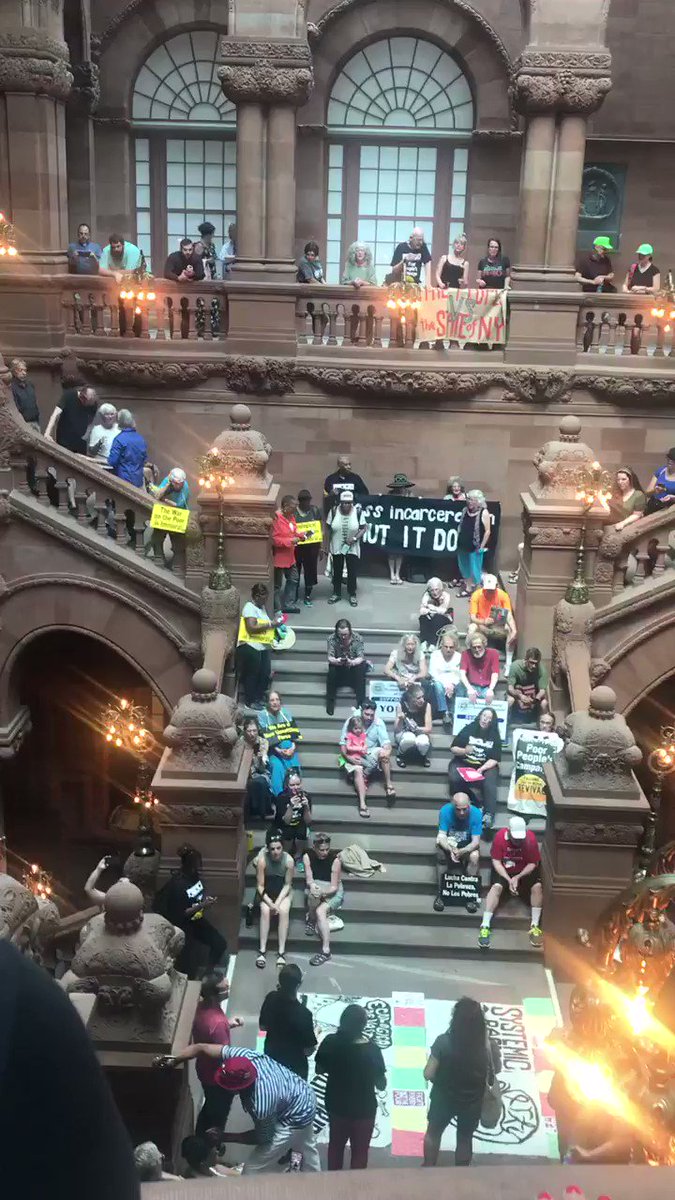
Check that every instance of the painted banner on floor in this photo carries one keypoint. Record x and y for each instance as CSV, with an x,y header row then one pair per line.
x,y
419,527
405,1025
532,748
476,315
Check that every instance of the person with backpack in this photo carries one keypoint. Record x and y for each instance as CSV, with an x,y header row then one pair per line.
x,y
463,1060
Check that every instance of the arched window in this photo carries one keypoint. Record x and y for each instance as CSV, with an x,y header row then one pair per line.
x,y
400,115
185,144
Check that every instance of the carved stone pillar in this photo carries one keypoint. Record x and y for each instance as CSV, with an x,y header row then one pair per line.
x,y
595,819
35,81
82,105
552,523
267,81
556,88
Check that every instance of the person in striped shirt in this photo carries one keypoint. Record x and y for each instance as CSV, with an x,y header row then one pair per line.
x,y
281,1105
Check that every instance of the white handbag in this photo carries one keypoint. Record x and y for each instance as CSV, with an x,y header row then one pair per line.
x,y
493,1105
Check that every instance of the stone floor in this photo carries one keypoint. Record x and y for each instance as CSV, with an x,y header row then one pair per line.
x,y
380,606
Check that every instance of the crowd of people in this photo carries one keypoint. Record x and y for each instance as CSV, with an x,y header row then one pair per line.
x,y
195,259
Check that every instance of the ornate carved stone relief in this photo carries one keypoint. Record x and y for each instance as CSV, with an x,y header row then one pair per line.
x,y
247,375
86,90
202,733
560,80
614,835
30,61
200,814
271,72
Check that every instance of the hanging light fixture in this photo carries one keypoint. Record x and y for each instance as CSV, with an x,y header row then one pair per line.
x,y
7,238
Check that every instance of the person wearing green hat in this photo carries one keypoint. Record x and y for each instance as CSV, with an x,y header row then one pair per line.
x,y
643,276
594,271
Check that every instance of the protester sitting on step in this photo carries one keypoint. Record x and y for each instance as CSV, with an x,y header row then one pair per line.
x,y
490,613
347,664
259,803
288,1023
201,1157
293,814
444,673
460,824
353,753
324,894
412,728
378,746
254,655
515,872
406,663
478,670
458,1068
528,681
282,735
435,611
476,753
149,1163
274,893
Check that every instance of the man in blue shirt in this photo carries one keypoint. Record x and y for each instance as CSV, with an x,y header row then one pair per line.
x,y
460,824
83,255
129,451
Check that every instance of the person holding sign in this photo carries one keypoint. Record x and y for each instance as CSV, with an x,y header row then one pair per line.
x,y
528,681
173,491
347,526
490,613
285,538
307,552
460,825
254,654
474,767
515,872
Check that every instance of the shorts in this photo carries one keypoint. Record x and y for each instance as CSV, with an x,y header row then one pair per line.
x,y
443,1110
370,763
524,886
336,900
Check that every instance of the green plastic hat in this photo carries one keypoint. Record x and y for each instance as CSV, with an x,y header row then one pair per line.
x,y
604,242
645,248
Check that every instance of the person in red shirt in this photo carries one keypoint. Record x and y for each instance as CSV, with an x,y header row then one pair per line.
x,y
212,1027
515,872
478,669
285,538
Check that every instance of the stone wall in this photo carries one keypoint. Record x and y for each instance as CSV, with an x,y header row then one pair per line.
x,y
647,207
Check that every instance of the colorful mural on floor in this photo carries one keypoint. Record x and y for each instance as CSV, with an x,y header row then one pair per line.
x,y
405,1026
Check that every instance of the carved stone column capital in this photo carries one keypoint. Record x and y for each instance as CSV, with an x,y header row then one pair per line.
x,y
266,72
560,80
86,91
31,61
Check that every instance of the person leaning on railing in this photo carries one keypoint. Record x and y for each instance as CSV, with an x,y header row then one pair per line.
x,y
628,501
452,270
661,486
643,276
359,269
184,266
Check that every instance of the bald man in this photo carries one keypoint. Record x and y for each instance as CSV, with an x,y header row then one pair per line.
x,y
411,259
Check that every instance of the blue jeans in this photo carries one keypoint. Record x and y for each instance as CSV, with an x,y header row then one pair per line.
x,y
440,697
481,692
471,565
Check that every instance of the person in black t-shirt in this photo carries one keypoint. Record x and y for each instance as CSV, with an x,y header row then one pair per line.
x,y
71,419
288,1023
342,480
183,901
184,266
594,271
410,259
356,1070
643,276
494,271
325,894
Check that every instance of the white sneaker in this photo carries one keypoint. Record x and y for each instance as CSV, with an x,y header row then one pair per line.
x,y
335,922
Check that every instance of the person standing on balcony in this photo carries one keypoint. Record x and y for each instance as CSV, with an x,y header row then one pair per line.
x,y
472,538
23,392
129,451
494,271
285,538
83,255
228,251
594,271
119,257
208,253
643,276
661,486
184,266
452,270
310,269
410,260
71,419
359,268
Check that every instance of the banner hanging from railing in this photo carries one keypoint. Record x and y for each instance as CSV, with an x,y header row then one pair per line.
x,y
463,315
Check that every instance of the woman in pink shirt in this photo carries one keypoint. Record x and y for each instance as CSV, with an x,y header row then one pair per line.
x,y
212,1027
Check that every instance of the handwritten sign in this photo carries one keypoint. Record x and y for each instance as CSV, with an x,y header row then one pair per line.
x,y
465,711
460,890
387,695
312,532
172,520
462,315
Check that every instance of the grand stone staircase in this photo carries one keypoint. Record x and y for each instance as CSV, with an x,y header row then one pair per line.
x,y
392,912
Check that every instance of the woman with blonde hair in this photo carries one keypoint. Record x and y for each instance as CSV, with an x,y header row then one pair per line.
x,y
406,663
435,611
359,269
452,270
444,666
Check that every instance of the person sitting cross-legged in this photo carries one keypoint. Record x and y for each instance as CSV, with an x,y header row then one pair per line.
x,y
377,758
528,680
460,824
474,767
490,613
325,894
515,872
478,669
347,664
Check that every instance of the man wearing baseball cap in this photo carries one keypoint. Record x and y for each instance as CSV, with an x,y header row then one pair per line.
x,y
281,1105
515,872
490,613
594,271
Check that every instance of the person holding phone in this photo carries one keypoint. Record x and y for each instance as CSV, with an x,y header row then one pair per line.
x,y
184,266
83,255
183,900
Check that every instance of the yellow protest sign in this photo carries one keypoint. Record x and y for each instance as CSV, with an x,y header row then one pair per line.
x,y
172,520
312,532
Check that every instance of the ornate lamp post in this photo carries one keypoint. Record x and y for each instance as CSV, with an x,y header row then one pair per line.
x,y
661,762
593,485
125,726
216,478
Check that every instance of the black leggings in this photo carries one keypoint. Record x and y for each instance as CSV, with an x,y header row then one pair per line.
x,y
201,933
352,573
351,677
307,558
254,668
215,1109
484,794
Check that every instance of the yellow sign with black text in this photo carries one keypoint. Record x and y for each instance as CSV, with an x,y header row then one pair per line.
x,y
171,520
312,531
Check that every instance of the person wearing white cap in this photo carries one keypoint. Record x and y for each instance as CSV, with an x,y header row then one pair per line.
x,y
345,527
515,872
490,613
174,491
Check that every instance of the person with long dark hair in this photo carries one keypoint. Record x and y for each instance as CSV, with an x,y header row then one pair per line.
x,y
212,1025
183,900
474,767
494,271
355,1069
457,1069
288,1023
628,500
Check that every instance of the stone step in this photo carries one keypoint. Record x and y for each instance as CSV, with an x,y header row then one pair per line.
x,y
418,823
399,877
438,939
395,849
320,762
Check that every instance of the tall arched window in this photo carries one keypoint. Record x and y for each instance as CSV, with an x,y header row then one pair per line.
x,y
185,146
400,117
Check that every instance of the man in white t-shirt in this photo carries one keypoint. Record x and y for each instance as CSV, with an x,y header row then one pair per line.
x,y
345,527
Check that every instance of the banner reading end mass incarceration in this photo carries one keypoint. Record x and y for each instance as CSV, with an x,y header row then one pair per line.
x,y
463,315
418,527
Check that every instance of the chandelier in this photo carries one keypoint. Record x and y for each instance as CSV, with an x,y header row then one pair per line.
x,y
7,238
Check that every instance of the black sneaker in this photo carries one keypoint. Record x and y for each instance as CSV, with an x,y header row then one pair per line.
x,y
330,707
472,906
439,905
292,608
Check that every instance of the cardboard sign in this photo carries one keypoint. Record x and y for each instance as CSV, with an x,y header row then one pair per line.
x,y
465,712
312,531
532,748
459,890
387,695
173,520
419,527
476,315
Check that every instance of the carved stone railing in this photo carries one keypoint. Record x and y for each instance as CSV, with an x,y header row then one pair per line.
x,y
641,552
622,325
174,312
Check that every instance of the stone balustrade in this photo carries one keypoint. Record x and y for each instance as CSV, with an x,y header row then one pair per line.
x,y
158,310
623,325
642,551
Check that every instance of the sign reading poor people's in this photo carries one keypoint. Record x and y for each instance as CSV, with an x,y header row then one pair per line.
x,y
528,790
418,527
476,315
169,519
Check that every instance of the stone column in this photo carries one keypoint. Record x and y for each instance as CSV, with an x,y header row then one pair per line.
x,y
82,104
535,189
281,184
35,81
250,182
567,190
